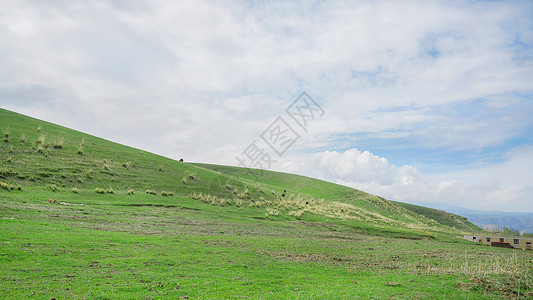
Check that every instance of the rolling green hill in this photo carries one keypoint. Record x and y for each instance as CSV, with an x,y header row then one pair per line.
x,y
40,154
442,217
86,218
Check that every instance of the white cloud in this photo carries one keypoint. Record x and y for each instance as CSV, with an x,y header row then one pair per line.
x,y
201,80
505,186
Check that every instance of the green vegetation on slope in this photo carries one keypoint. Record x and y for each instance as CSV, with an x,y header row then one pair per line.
x,y
84,218
37,153
442,217
93,246
405,214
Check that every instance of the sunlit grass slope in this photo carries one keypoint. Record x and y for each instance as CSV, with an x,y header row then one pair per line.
x,y
40,154
368,207
85,218
442,217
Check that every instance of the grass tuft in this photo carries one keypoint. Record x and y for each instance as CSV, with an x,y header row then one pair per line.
x,y
59,143
99,191
75,190
41,140
80,148
53,187
5,186
6,135
4,172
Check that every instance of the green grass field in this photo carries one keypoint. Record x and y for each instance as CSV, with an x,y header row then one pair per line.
x,y
85,218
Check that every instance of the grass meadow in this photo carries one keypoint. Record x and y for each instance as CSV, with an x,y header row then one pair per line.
x,y
116,246
85,218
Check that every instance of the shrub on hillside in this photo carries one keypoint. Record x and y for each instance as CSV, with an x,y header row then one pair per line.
x,y
6,135
41,140
164,193
5,172
59,143
5,186
80,148
53,187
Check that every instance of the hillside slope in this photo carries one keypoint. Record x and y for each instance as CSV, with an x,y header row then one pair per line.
x,y
442,217
39,154
375,208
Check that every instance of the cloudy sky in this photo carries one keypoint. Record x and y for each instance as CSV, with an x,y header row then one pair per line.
x,y
425,102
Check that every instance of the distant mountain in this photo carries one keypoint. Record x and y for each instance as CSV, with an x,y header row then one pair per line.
x,y
493,220
489,222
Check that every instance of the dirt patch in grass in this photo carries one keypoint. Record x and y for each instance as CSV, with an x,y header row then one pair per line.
x,y
504,287
297,257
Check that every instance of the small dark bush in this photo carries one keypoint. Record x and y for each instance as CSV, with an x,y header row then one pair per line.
x,y
58,144
4,186
6,135
164,193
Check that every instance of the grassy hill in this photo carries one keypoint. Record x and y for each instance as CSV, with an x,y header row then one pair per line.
x,y
442,217
82,217
40,154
